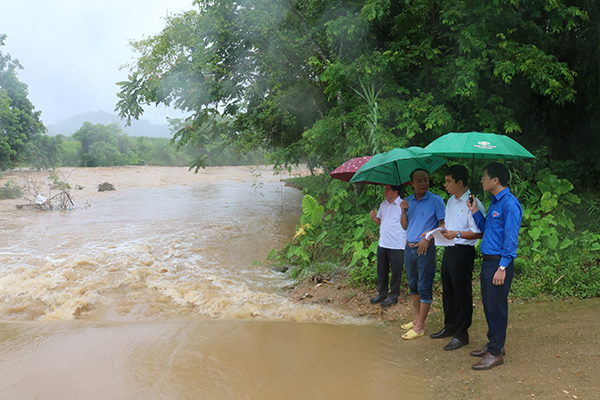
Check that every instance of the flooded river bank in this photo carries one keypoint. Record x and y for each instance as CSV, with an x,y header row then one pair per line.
x,y
157,291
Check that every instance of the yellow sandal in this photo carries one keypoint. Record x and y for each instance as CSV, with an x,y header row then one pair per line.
x,y
412,335
408,326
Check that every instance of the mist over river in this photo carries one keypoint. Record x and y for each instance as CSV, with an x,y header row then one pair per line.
x,y
157,291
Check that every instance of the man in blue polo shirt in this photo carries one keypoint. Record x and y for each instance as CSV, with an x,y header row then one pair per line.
x,y
424,211
499,249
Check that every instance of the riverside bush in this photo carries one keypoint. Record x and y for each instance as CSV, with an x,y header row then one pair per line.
x,y
554,257
10,190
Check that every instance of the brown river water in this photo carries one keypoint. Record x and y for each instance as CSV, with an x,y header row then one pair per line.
x,y
156,291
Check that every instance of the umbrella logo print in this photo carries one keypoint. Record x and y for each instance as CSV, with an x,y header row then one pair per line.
x,y
484,145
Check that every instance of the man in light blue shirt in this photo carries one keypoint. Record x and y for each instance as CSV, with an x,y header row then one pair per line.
x,y
424,211
499,249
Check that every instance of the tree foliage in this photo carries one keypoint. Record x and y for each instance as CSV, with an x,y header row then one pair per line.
x,y
98,145
20,124
324,81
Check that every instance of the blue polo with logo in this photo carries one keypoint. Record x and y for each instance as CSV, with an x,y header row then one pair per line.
x,y
501,226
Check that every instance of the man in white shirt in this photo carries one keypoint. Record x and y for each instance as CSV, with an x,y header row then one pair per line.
x,y
390,252
457,264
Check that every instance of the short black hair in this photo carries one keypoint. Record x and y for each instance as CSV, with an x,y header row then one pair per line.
x,y
497,170
418,169
395,188
458,172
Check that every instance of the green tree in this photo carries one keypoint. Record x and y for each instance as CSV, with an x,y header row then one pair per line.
x,y
322,81
100,145
45,151
19,122
71,153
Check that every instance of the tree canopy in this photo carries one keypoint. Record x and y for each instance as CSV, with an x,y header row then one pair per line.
x,y
324,81
20,124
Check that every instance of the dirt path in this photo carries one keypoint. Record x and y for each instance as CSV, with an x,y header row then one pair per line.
x,y
553,349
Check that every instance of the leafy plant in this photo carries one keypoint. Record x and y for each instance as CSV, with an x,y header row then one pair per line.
x,y
57,183
363,249
368,94
10,190
554,259
309,233
547,219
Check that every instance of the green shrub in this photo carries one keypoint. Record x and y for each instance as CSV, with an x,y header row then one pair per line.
x,y
10,190
555,259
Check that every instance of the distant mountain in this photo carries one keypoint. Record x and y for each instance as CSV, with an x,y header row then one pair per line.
x,y
142,127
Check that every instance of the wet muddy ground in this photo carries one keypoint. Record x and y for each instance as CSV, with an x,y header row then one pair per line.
x,y
553,348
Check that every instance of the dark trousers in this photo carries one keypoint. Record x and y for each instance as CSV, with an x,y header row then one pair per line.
x,y
457,286
495,304
389,259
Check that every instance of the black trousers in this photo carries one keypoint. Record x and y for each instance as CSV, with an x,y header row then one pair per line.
x,y
457,296
389,259
495,303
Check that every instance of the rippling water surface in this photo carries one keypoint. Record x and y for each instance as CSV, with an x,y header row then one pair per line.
x,y
156,293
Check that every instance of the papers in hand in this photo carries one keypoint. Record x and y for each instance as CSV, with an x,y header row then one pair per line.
x,y
440,240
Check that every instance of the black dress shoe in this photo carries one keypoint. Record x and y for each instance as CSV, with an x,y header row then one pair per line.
x,y
388,302
455,343
482,352
488,362
378,299
441,334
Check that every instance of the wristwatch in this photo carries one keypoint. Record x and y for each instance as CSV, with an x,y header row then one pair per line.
x,y
502,268
458,235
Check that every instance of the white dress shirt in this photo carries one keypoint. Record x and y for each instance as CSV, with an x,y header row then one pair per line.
x,y
460,218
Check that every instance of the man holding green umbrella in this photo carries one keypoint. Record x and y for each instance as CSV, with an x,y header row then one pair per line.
x,y
458,260
397,167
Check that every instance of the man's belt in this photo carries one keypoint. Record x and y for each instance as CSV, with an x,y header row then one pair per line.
x,y
490,257
416,244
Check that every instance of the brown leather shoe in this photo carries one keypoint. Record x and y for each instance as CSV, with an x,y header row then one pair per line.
x,y
488,362
481,353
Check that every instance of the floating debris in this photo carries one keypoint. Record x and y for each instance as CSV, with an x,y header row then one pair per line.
x,y
33,188
105,187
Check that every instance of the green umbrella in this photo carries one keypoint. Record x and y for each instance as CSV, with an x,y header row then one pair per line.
x,y
477,145
394,167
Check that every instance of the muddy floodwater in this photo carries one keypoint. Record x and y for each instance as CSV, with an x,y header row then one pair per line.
x,y
156,291
159,290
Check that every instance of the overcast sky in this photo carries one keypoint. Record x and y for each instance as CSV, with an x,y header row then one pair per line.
x,y
71,50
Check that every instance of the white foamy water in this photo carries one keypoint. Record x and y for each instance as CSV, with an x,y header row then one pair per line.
x,y
154,253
